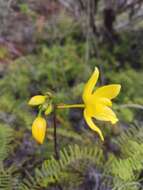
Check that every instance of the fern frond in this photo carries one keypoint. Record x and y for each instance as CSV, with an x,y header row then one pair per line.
x,y
7,180
130,164
6,136
133,185
52,169
129,168
132,133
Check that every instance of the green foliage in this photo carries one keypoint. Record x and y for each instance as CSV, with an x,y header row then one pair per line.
x,y
3,52
129,50
131,83
125,169
24,8
67,133
6,136
8,181
126,115
53,171
62,70
52,69
131,92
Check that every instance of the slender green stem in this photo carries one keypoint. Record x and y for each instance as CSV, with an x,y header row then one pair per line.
x,y
40,112
137,106
55,134
70,106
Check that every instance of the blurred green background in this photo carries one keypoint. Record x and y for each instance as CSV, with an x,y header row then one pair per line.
x,y
54,46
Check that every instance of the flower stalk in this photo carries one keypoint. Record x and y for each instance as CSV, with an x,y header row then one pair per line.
x,y
62,106
55,134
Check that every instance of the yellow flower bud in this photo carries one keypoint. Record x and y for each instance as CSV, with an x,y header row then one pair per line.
x,y
37,100
39,129
49,109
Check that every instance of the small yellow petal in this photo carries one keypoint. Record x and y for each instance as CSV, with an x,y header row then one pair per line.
x,y
89,86
108,91
37,100
91,124
39,129
104,113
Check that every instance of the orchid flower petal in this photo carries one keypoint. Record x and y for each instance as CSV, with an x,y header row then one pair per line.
x,y
106,114
91,124
89,86
108,91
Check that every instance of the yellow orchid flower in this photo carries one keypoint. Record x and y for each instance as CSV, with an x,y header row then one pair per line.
x,y
37,100
97,103
39,129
